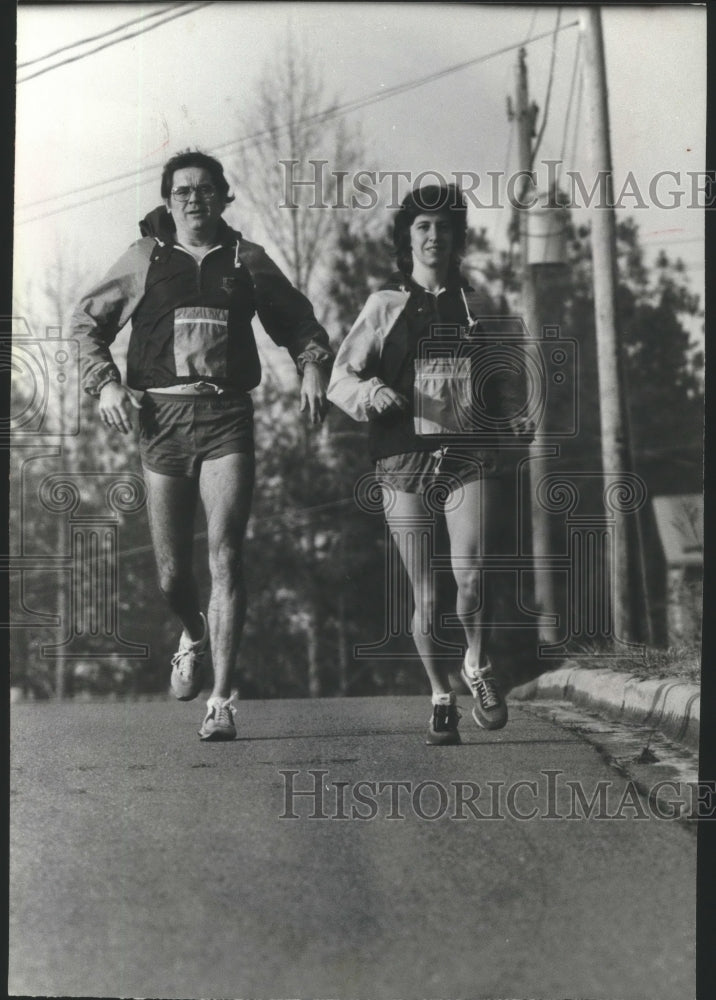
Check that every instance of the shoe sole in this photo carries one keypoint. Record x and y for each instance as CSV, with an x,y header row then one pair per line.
x,y
190,693
444,743
218,736
187,697
484,724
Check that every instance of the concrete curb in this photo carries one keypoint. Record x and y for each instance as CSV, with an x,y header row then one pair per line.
x,y
671,706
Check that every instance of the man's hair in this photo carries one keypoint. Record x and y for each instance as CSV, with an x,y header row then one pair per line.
x,y
446,199
193,158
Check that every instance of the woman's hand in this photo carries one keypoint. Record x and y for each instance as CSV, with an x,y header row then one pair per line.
x,y
115,406
313,392
387,400
523,429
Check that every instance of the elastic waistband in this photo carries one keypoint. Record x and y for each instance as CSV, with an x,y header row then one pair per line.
x,y
189,389
228,397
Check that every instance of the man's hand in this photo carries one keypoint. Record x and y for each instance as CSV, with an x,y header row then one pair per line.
x,y
115,406
387,400
313,392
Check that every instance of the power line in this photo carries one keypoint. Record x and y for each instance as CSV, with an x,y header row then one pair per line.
x,y
672,243
568,115
83,55
319,116
95,38
532,25
545,113
401,88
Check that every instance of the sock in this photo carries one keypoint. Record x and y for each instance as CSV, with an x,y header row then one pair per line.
x,y
218,700
473,670
444,699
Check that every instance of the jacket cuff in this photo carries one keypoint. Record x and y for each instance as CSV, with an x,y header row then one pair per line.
x,y
314,354
100,376
375,386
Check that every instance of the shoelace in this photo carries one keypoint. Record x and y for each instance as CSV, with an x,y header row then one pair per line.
x,y
224,714
185,659
486,691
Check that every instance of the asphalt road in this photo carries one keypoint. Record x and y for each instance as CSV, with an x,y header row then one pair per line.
x,y
146,863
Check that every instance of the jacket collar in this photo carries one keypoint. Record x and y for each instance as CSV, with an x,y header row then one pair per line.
x,y
404,282
159,225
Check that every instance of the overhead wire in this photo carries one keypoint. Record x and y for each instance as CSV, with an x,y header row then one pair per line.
x,y
115,41
568,116
96,38
532,25
320,116
545,113
511,130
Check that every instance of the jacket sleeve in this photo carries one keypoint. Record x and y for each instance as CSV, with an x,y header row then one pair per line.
x,y
286,314
354,381
104,310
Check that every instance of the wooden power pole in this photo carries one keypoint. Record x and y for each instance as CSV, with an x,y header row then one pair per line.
x,y
541,541
614,435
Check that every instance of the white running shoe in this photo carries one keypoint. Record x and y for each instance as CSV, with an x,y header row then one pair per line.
x,y
218,723
188,665
489,710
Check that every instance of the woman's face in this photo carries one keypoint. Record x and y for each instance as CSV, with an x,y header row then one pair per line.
x,y
194,202
431,240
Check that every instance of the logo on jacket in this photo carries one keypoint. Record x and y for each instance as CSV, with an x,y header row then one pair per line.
x,y
228,284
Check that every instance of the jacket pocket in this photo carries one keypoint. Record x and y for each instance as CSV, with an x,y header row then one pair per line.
x,y
442,396
200,341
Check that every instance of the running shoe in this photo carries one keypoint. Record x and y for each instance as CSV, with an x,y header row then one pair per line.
x,y
442,731
489,710
218,723
188,665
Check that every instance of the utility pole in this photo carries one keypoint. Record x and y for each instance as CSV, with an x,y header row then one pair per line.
x,y
525,114
614,435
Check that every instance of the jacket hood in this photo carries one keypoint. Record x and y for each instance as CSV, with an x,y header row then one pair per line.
x,y
160,225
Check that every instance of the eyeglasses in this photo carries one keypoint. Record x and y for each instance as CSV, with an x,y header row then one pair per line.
x,y
206,191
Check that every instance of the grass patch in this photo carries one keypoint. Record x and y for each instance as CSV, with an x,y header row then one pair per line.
x,y
677,662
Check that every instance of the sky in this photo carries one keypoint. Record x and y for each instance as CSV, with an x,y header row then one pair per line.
x,y
127,108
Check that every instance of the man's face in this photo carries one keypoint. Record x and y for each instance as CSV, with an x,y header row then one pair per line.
x,y
194,201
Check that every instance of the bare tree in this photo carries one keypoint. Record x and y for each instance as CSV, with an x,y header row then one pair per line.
x,y
41,332
43,310
293,133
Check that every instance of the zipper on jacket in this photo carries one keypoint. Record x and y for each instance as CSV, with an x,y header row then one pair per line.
x,y
198,263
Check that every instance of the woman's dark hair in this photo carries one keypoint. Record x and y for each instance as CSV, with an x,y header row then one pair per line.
x,y
447,199
193,158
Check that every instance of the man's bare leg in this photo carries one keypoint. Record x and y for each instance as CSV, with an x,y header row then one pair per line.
x,y
171,503
226,488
